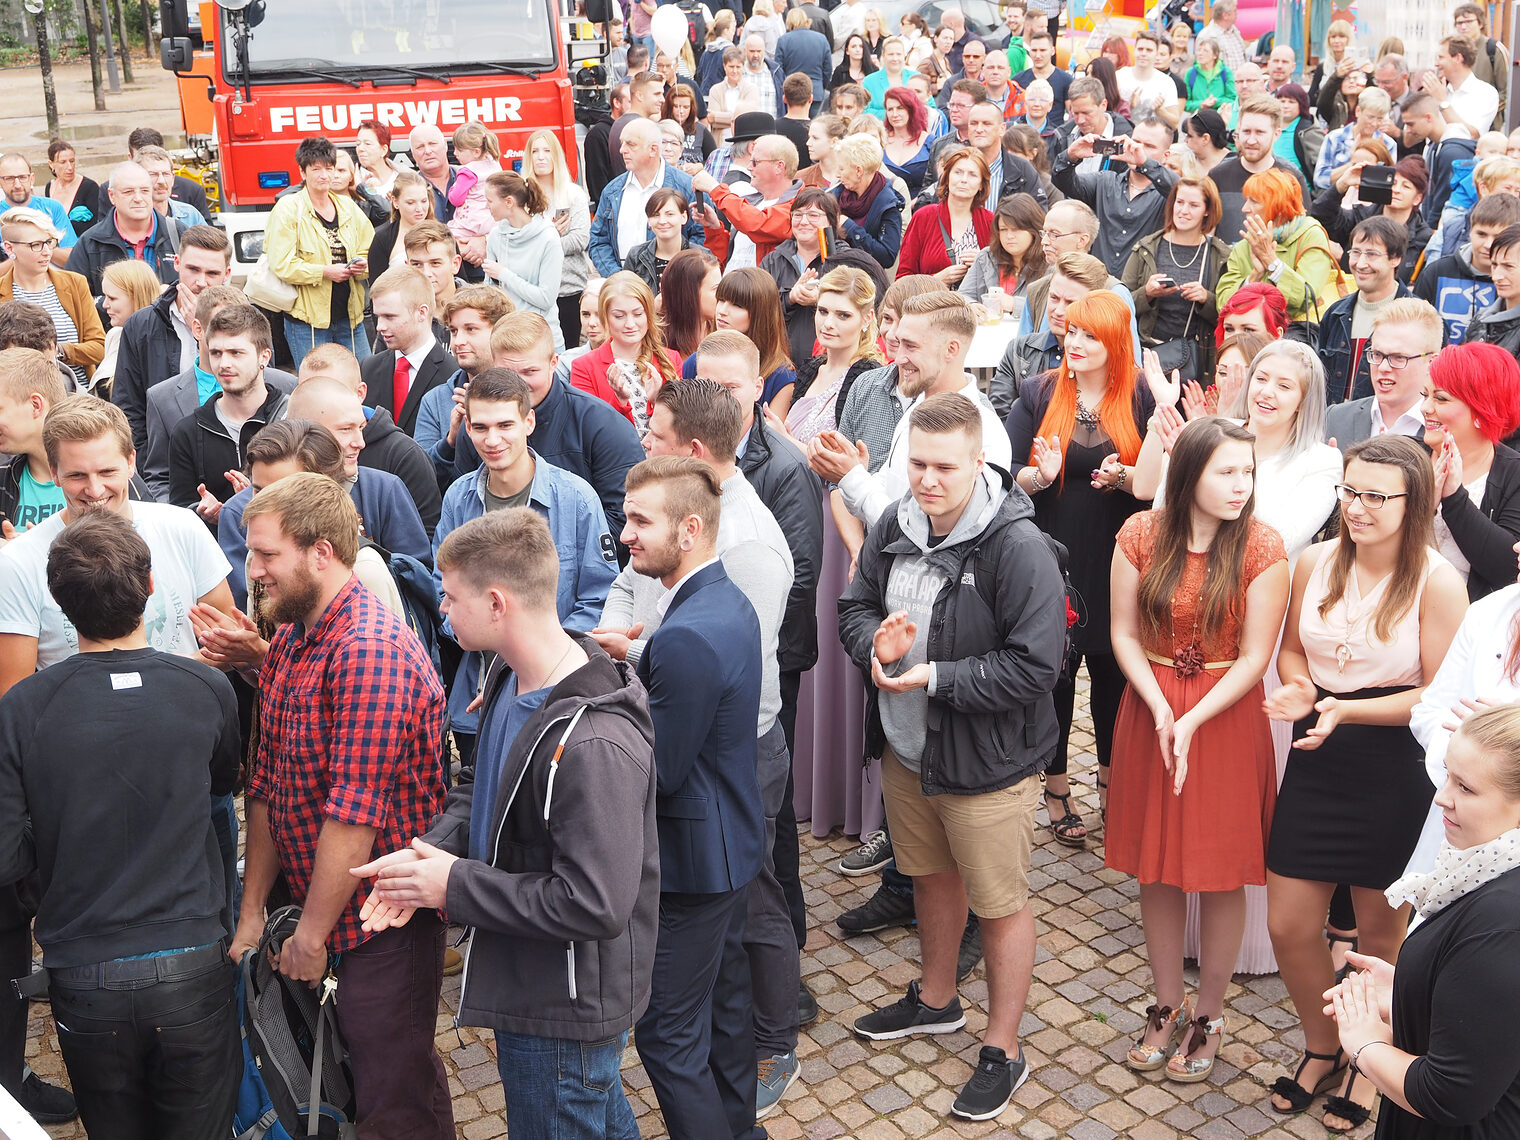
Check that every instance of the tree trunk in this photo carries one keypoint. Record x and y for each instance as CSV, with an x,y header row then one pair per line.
x,y
92,36
123,41
45,60
147,21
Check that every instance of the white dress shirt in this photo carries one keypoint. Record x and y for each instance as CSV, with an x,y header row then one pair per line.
x,y
1476,102
632,222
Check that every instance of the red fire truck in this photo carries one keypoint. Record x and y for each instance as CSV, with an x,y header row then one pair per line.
x,y
257,76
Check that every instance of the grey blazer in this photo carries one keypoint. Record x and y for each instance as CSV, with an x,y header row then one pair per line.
x,y
170,402
1351,422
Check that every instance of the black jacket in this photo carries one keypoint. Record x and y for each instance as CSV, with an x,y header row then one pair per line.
x,y
641,261
388,448
780,475
566,911
149,354
381,248
598,157
996,637
1496,325
201,451
1486,532
378,372
101,245
1336,348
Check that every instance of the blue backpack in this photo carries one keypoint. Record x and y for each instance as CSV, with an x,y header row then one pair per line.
x,y
293,1055
419,599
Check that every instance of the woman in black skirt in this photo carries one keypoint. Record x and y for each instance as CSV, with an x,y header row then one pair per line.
x,y
1372,615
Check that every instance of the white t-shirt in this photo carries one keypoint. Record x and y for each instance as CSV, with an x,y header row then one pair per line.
x,y
187,565
1146,96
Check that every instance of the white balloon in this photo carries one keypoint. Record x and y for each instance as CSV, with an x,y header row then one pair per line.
x,y
669,29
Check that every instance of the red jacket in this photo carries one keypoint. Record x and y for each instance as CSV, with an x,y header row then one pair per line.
x,y
923,242
767,227
589,374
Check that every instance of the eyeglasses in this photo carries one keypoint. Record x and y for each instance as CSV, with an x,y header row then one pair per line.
x,y
39,247
1398,361
1056,235
1366,255
1372,500
811,217
17,178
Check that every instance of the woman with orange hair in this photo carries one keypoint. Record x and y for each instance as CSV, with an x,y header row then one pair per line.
x,y
1284,247
1080,428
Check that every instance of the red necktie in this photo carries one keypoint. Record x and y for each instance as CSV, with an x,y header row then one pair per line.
x,y
402,382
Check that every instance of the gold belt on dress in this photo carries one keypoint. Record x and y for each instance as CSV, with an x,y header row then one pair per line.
x,y
1170,664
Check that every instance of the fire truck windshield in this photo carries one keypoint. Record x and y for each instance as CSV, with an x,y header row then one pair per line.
x,y
442,37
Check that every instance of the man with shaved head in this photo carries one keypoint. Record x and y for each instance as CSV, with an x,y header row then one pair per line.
x,y
620,222
387,514
385,446
132,229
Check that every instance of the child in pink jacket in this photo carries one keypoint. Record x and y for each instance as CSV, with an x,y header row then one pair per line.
x,y
479,156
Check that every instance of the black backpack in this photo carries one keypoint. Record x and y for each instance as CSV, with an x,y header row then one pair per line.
x,y
419,599
696,24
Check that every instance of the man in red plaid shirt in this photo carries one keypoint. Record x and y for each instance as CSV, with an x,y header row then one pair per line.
x,y
350,735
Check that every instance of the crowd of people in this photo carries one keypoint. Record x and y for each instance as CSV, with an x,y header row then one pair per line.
x,y
396,544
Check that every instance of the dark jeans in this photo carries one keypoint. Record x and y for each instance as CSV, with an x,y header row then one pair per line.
x,y
775,964
152,1045
565,1090
388,1010
1104,696
786,852
697,1038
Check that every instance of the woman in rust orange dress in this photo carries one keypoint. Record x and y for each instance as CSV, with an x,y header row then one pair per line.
x,y
1198,595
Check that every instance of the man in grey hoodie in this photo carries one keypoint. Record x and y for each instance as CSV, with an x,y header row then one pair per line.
x,y
551,851
958,611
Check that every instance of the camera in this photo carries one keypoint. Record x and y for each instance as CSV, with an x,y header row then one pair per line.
x,y
1108,146
1376,185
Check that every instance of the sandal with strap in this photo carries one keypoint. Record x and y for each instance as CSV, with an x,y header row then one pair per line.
x,y
1068,828
1143,1058
1332,937
1191,1070
1346,1108
1102,786
1300,1098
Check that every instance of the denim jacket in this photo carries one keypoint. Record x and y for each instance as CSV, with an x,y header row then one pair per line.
x,y
587,558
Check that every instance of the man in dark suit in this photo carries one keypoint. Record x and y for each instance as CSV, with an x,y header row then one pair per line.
x,y
413,362
702,669
1407,331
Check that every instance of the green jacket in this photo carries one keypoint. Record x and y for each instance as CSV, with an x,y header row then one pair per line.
x,y
296,244
1202,84
1309,270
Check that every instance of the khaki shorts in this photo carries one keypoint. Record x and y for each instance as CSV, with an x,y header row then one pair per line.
x,y
986,838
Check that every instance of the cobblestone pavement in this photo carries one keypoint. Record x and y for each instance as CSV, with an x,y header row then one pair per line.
x,y
1090,989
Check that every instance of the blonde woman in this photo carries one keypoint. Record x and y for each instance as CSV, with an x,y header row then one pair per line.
x,y
570,213
764,22
125,288
629,367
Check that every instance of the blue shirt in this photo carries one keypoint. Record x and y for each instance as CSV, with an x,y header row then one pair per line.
x,y
56,214
206,385
503,721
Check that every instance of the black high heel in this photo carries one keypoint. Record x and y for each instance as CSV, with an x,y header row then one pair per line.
x,y
1300,1098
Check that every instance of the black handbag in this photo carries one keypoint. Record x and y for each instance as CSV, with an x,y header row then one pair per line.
x,y
1185,355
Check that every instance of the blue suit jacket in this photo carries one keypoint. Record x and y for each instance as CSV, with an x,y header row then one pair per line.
x,y
702,670
604,246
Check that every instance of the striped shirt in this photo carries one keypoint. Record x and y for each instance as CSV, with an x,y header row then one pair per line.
x,y
47,300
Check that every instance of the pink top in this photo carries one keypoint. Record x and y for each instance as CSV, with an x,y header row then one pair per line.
x,y
1372,662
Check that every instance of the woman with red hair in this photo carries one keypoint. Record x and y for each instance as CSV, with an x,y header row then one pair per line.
x,y
1080,428
1473,402
1282,246
945,238
907,147
1254,308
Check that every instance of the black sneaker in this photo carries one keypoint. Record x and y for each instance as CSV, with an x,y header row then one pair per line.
x,y
971,949
883,909
48,1104
807,1006
908,1016
874,853
992,1086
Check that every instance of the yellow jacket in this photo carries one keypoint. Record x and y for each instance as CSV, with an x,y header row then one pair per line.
x,y
296,244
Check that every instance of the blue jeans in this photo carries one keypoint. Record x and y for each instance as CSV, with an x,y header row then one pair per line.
x,y
565,1090
302,338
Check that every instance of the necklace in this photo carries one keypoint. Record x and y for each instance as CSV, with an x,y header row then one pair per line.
x,y
1356,615
1197,253
1086,416
1189,659
549,676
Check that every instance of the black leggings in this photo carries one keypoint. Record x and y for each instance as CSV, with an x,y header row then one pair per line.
x,y
570,319
1103,699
